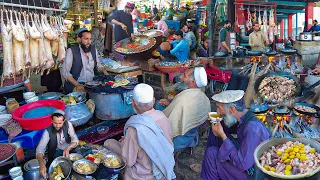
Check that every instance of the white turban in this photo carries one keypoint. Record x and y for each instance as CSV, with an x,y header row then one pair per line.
x,y
200,76
228,96
143,93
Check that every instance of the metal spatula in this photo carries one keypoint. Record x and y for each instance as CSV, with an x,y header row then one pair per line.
x,y
130,39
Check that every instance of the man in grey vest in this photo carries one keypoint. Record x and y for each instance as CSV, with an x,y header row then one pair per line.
x,y
224,38
81,62
60,139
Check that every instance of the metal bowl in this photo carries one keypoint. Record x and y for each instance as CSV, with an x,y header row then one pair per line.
x,y
114,169
79,96
264,146
84,161
65,165
75,157
103,129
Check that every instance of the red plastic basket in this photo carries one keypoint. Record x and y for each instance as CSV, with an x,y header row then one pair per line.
x,y
32,124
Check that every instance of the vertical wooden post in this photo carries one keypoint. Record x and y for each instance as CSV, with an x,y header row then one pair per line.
x,y
290,25
95,9
282,29
309,15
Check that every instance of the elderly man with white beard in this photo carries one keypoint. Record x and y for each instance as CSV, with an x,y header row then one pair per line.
x,y
227,157
146,147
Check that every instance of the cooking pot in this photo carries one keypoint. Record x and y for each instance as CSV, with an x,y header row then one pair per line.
x,y
316,38
112,106
76,118
32,170
305,36
255,53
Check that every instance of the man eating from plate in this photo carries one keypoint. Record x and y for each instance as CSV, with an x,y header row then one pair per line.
x,y
227,157
60,138
147,137
189,109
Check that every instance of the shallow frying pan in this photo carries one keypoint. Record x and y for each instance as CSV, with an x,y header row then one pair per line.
x,y
259,109
281,110
308,105
255,53
290,76
272,53
289,51
221,54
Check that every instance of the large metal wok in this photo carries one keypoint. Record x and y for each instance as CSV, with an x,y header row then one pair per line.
x,y
290,76
255,53
264,146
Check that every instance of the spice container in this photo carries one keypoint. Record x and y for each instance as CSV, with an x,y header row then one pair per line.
x,y
12,104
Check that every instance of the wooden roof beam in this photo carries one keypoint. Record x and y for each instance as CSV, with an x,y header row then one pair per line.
x,y
289,11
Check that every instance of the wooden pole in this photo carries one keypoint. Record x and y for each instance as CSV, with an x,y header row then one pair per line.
x,y
95,9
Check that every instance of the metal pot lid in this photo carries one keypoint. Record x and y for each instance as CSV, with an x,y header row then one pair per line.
x,y
32,165
51,95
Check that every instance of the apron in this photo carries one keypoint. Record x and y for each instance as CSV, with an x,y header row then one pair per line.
x,y
220,47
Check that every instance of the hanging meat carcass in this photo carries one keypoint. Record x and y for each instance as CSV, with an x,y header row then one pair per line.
x,y
249,18
272,26
6,37
259,18
34,44
26,50
62,48
18,44
47,46
42,52
56,33
265,25
48,33
65,31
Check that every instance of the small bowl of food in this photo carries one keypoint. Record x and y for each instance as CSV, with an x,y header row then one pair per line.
x,y
75,157
103,129
84,167
113,163
214,116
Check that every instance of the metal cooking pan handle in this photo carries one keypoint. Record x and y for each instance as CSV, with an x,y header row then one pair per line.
x,y
311,87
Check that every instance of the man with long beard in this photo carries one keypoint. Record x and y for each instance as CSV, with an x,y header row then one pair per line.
x,y
81,63
60,138
189,108
146,146
227,157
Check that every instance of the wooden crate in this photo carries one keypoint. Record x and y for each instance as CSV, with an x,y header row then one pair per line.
x,y
155,79
148,65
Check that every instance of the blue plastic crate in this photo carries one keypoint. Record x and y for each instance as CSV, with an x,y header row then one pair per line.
x,y
27,139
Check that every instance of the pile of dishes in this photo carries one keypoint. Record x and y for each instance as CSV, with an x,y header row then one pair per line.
x,y
30,97
4,118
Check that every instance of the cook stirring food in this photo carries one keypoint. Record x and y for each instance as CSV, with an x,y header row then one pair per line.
x,y
81,63
60,139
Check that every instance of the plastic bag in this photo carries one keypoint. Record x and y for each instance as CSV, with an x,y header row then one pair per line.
x,y
65,5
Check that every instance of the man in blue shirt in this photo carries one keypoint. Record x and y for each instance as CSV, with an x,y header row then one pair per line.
x,y
181,48
315,26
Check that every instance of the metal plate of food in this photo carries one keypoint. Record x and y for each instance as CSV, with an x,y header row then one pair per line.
x,y
60,167
6,152
277,87
153,33
306,109
137,44
84,167
113,163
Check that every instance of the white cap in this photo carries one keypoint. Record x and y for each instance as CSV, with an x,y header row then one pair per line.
x,y
200,76
228,96
143,93
58,111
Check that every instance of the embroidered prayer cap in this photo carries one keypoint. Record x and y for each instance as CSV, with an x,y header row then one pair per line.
x,y
228,96
143,93
81,30
130,5
200,76
59,112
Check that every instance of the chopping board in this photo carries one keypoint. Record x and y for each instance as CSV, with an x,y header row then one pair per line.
x,y
122,70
